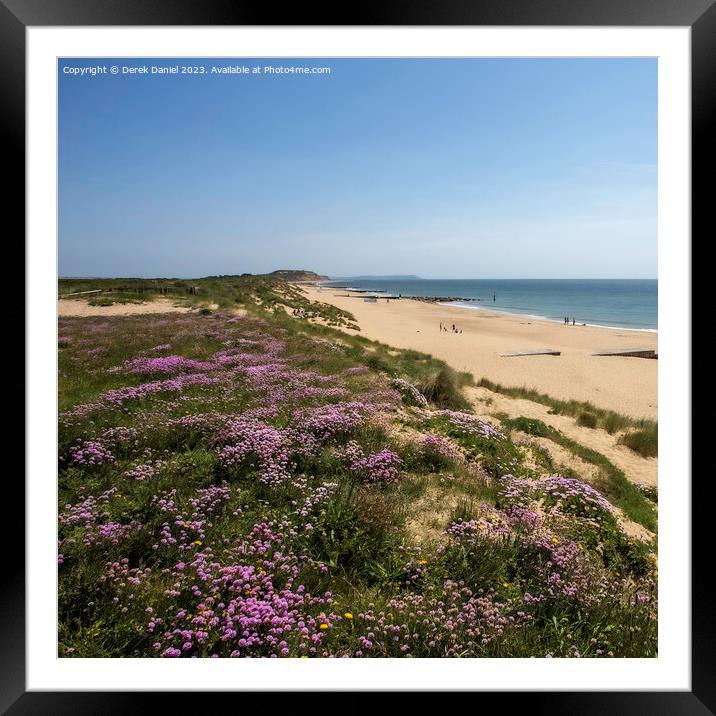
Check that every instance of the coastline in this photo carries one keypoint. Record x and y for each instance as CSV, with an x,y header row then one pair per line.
x,y
536,317
626,385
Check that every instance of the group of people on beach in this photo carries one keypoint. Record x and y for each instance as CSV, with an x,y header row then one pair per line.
x,y
566,321
453,330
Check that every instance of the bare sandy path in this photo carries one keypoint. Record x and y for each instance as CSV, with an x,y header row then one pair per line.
x,y
81,307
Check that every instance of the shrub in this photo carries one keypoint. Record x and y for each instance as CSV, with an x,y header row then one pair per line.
x,y
587,420
642,442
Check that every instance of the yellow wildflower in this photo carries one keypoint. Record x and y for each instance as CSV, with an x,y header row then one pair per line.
x,y
555,540
324,626
348,615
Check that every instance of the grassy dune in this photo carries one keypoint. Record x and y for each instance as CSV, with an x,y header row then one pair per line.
x,y
261,484
641,435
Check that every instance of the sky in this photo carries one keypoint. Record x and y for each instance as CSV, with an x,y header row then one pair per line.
x,y
442,168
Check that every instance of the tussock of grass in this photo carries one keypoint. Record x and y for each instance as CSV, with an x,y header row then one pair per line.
x,y
465,510
643,442
444,389
587,420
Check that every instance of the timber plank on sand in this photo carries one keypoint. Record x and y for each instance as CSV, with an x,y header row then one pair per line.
x,y
545,352
633,352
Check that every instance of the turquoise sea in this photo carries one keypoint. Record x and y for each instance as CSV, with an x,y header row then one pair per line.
x,y
615,303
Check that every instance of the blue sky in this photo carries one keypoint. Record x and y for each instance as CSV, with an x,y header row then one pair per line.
x,y
450,168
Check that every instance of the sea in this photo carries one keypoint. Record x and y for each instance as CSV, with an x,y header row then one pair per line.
x,y
609,303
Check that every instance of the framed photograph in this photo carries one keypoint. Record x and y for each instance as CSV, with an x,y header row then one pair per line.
x,y
344,370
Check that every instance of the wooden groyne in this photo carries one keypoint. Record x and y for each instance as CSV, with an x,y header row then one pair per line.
x,y
365,296
629,352
384,294
441,299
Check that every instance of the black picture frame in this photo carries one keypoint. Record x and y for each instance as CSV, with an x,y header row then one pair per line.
x,y
699,15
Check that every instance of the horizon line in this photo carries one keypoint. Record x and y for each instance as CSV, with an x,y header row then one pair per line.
x,y
384,276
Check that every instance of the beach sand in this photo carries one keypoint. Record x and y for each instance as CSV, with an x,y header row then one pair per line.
x,y
626,385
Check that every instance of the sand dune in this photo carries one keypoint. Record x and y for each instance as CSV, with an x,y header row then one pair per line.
x,y
641,470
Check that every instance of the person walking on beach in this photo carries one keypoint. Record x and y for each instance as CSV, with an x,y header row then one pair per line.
x,y
573,323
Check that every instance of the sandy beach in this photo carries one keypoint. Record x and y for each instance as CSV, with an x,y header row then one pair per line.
x,y
626,385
